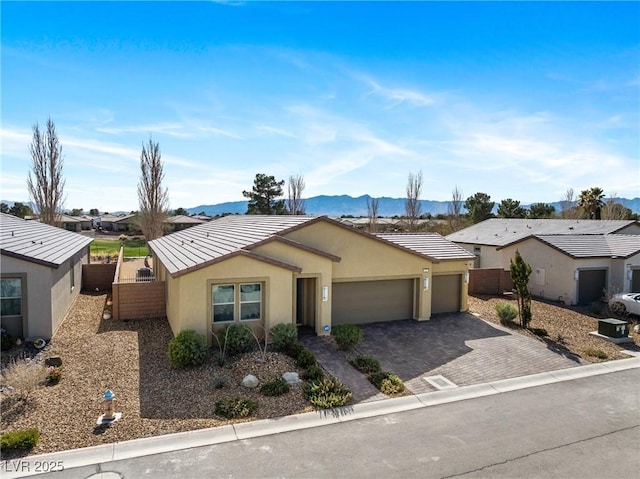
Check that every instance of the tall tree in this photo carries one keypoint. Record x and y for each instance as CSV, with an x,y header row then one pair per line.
x,y
94,212
20,210
591,201
412,201
76,212
263,196
510,208
568,205
612,210
479,207
541,210
45,181
295,203
372,214
180,211
153,198
454,209
4,208
520,272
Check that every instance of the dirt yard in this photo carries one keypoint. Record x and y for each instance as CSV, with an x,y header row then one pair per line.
x,y
567,327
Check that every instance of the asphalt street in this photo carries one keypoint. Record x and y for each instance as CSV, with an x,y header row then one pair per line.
x,y
584,428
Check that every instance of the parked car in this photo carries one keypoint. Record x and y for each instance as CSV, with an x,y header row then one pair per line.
x,y
625,303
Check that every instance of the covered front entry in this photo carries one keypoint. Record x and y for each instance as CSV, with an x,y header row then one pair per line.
x,y
635,280
372,301
306,302
445,295
591,285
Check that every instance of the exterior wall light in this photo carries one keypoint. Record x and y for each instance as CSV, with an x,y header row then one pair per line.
x,y
425,283
325,293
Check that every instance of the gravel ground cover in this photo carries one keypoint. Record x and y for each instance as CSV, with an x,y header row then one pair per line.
x,y
130,358
567,327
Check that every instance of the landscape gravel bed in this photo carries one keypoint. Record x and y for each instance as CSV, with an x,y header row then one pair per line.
x,y
130,358
567,327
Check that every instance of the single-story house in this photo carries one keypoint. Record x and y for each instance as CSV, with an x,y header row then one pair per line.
x,y
41,275
69,223
117,223
180,222
574,261
306,270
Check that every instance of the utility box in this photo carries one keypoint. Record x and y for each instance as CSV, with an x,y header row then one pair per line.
x,y
613,328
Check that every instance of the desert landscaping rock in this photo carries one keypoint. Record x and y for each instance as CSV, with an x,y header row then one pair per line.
x,y
291,378
250,381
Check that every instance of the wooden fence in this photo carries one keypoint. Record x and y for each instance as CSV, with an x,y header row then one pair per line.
x,y
489,281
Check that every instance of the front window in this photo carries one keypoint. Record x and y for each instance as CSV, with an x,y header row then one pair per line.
x,y
223,303
10,297
250,301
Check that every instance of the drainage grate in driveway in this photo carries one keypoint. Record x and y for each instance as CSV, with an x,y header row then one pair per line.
x,y
440,382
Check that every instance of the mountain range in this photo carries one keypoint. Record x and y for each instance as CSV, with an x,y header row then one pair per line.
x,y
348,205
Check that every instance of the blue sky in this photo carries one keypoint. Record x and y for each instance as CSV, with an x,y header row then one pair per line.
x,y
517,100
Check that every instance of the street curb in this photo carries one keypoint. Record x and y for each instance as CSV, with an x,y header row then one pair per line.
x,y
207,437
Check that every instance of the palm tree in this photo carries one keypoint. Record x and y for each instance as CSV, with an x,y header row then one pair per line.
x,y
591,201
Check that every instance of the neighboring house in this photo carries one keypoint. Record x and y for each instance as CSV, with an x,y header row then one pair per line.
x,y
117,223
180,222
312,271
87,222
40,277
574,261
69,223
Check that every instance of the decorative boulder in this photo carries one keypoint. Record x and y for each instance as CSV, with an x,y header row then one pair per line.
x,y
291,378
250,381
53,361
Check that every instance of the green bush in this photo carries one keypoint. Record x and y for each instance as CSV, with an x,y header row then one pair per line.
x,y
218,382
294,350
366,364
596,353
236,339
275,388
347,336
313,373
539,331
283,336
188,348
387,382
22,439
6,341
306,358
506,312
234,408
327,392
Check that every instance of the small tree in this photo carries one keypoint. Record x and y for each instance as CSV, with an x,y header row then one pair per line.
x,y
94,212
45,182
372,214
541,210
454,209
180,211
20,210
520,272
510,208
4,208
479,207
412,202
153,199
295,203
263,196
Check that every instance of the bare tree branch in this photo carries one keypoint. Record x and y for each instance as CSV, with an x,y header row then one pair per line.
x,y
153,199
412,202
455,209
46,186
295,203
372,213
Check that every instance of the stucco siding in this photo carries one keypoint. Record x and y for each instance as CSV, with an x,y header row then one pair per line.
x,y
632,229
487,257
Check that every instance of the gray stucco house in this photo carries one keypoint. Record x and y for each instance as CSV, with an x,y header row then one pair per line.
x,y
40,275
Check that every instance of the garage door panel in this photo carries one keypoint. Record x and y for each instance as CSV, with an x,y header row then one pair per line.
x,y
372,301
445,293
635,281
591,285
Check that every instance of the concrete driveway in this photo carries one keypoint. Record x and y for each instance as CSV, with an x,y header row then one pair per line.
x,y
450,350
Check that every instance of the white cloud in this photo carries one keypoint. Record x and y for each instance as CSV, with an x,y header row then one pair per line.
x,y
400,95
275,131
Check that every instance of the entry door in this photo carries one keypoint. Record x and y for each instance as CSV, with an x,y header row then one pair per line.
x,y
306,302
635,281
591,285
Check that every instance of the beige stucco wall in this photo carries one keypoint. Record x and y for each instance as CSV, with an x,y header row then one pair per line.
x,y
62,294
630,264
488,257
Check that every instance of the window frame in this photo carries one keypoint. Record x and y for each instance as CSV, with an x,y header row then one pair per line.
x,y
238,303
241,302
214,304
21,297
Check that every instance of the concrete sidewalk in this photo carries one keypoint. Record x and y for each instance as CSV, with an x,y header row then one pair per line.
x,y
26,467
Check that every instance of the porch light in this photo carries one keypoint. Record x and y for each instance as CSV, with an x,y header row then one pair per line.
x,y
425,283
576,275
325,293
466,278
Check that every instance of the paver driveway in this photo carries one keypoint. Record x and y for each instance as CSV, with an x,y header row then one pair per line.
x,y
461,347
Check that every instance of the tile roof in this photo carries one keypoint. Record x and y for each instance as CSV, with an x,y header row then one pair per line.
x,y
504,231
594,246
184,219
39,243
428,244
206,243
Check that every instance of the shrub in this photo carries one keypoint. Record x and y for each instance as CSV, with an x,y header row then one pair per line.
x,y
275,388
54,375
25,376
347,336
327,392
218,382
234,408
6,340
387,382
366,364
596,353
306,358
236,339
188,348
506,312
294,350
539,331
313,373
22,439
283,336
